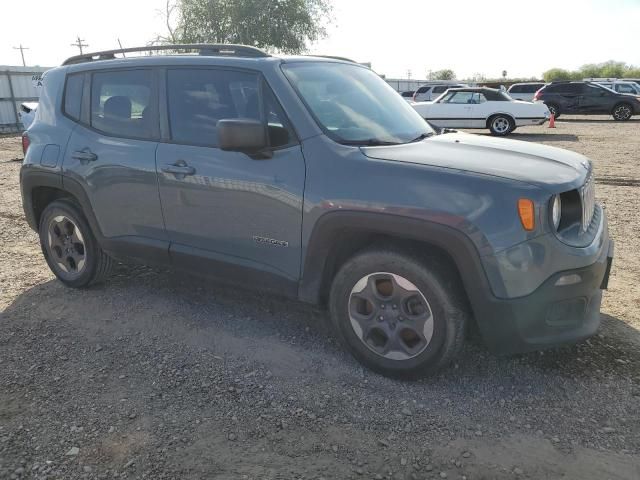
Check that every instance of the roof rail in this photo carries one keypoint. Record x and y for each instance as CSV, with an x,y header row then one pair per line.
x,y
333,57
207,49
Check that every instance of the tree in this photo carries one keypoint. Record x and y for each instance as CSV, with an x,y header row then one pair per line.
x,y
283,25
446,74
632,72
557,74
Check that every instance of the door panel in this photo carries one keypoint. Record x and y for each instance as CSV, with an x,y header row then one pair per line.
x,y
595,100
121,182
118,173
234,205
451,115
222,206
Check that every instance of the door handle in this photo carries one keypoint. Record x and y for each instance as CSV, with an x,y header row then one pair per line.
x,y
178,168
85,155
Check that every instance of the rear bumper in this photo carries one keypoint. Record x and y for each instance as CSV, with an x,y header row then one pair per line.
x,y
552,315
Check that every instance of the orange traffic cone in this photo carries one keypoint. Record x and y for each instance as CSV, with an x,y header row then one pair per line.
x,y
552,121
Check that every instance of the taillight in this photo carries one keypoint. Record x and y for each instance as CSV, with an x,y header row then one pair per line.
x,y
414,95
25,142
536,96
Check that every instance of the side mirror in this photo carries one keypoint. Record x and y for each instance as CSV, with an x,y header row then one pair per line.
x,y
242,135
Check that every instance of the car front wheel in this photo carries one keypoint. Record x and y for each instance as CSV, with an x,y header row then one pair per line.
x,y
622,112
399,315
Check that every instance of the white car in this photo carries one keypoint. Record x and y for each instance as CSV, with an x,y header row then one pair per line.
x,y
622,87
408,95
524,91
426,93
478,107
27,113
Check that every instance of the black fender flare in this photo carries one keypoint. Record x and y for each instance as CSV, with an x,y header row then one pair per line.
x,y
333,225
32,177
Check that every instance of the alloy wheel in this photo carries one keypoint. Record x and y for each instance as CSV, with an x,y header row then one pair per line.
x,y
501,125
622,112
391,316
66,245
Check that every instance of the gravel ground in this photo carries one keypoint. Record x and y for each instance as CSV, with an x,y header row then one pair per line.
x,y
155,375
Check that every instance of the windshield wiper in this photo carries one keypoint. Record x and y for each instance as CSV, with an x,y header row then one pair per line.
x,y
369,142
422,136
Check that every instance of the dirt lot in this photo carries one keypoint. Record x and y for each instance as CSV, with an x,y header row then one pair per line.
x,y
154,375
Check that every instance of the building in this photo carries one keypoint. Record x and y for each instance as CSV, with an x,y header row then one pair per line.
x,y
17,85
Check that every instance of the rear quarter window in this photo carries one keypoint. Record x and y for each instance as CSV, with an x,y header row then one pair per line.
x,y
73,95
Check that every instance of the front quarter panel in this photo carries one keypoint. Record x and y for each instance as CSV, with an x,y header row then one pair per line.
x,y
482,207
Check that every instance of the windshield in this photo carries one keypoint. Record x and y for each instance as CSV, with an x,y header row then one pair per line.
x,y
354,106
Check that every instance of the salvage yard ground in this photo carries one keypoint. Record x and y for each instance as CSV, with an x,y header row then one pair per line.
x,y
154,375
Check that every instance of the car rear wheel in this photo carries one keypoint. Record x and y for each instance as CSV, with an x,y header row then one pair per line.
x,y
69,247
622,112
501,125
400,315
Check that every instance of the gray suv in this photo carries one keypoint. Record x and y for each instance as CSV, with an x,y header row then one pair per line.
x,y
310,177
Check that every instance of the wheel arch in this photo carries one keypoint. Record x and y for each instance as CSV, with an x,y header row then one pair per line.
x,y
621,102
495,114
339,235
40,188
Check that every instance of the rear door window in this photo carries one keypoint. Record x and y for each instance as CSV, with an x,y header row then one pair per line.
x,y
123,104
572,88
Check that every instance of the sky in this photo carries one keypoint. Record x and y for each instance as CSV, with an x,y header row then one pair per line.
x,y
469,36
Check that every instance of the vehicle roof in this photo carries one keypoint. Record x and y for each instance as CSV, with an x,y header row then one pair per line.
x,y
191,54
197,60
527,83
475,89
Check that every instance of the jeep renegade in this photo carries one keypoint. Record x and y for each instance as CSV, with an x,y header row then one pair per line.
x,y
310,177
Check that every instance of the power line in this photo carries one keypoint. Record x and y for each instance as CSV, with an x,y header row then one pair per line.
x,y
79,44
22,49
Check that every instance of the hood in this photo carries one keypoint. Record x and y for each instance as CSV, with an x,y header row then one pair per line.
x,y
547,167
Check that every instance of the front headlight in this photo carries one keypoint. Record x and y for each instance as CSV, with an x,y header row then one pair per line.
x,y
556,211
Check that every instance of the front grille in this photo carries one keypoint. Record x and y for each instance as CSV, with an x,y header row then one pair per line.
x,y
588,197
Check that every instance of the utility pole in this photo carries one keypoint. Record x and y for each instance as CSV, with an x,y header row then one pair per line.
x,y
79,44
22,49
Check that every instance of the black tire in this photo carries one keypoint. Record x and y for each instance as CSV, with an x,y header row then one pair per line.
x,y
94,264
440,288
554,110
501,125
622,112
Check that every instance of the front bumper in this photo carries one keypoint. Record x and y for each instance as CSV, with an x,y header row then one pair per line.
x,y
551,315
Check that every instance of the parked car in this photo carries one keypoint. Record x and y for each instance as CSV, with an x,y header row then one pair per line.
x,y
524,91
282,174
587,98
430,92
408,95
622,87
481,107
27,113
